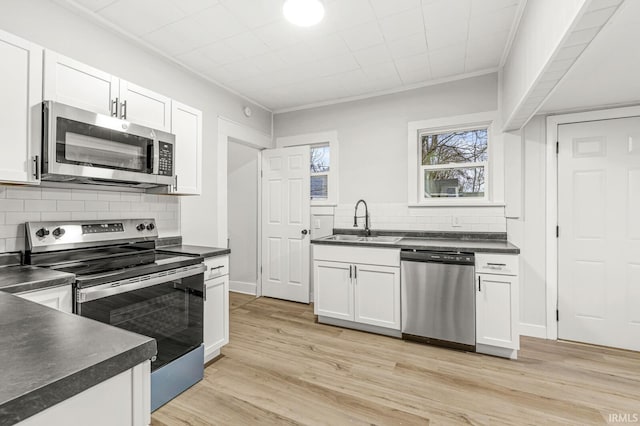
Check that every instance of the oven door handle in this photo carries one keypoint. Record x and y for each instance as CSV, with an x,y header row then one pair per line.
x,y
110,289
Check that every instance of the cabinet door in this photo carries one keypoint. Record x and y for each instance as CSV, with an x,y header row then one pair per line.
x,y
377,295
216,316
73,83
59,298
144,107
20,109
186,124
335,290
496,310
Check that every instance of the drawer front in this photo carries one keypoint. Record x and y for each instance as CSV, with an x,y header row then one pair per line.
x,y
354,254
500,264
216,267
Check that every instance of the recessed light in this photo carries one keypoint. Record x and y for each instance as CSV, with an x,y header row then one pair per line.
x,y
303,13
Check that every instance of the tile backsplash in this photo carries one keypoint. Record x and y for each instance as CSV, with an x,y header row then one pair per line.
x,y
19,204
401,217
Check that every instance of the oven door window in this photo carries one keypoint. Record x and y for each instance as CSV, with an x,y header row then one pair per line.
x,y
170,312
89,145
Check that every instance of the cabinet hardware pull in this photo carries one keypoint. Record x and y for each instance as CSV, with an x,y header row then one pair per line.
x,y
36,168
496,264
175,187
123,110
350,271
479,283
355,272
114,108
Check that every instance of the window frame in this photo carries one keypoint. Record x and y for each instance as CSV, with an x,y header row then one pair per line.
x,y
329,138
417,129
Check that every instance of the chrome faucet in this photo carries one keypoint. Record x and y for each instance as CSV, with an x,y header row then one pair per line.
x,y
367,231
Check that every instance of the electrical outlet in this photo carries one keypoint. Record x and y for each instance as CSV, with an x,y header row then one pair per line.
x,y
316,224
455,221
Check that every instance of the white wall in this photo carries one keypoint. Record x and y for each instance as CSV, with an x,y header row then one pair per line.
x,y
373,150
242,198
528,231
542,27
19,204
52,26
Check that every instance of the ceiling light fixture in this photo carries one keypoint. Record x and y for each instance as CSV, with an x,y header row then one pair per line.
x,y
303,13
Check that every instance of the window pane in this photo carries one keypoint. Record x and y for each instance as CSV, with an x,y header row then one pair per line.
x,y
456,183
319,187
468,146
319,159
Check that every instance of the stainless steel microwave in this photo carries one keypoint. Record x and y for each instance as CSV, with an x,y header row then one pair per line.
x,y
83,147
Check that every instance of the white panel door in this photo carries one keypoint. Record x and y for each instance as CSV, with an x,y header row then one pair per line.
x,y
186,124
73,83
285,223
145,107
599,242
496,310
377,295
20,109
333,289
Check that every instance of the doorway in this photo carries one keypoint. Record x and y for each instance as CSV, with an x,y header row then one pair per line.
x,y
243,162
598,181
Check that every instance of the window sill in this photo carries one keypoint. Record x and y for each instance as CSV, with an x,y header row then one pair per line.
x,y
458,204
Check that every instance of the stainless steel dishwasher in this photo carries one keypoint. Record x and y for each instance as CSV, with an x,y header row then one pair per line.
x,y
438,298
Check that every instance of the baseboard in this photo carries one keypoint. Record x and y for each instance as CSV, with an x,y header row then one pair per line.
x,y
243,287
533,330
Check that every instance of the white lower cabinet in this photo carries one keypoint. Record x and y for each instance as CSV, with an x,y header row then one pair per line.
x,y
358,292
497,305
216,308
60,298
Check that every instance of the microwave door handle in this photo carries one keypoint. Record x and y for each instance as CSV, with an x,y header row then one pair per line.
x,y
156,156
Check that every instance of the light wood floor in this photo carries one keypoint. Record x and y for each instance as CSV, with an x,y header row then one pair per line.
x,y
280,367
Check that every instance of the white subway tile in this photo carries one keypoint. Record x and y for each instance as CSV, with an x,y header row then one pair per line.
x,y
130,196
3,191
56,194
2,218
11,205
2,245
96,206
23,193
13,218
121,206
108,196
70,206
55,216
40,205
14,244
84,215
12,231
481,227
149,198
82,194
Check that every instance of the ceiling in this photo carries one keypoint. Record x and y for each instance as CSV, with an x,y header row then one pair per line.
x,y
362,47
608,72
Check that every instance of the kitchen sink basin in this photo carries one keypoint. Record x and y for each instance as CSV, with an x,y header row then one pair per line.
x,y
358,239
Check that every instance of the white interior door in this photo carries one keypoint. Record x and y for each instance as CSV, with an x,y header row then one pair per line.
x,y
285,223
599,242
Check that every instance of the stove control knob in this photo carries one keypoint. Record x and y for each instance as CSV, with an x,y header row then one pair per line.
x,y
42,232
151,227
58,232
140,227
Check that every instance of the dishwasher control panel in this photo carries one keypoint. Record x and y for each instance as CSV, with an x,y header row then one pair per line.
x,y
436,256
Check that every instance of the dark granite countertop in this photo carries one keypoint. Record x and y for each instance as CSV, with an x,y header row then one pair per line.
x,y
195,250
17,279
437,241
48,356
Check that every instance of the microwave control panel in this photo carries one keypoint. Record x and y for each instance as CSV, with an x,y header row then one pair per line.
x,y
165,166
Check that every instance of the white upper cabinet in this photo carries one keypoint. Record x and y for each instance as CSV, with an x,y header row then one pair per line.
x,y
73,83
20,109
186,124
142,106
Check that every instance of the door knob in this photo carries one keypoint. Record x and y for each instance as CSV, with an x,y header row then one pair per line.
x,y
304,232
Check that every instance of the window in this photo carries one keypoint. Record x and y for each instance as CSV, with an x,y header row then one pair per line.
x,y
323,163
454,163
320,169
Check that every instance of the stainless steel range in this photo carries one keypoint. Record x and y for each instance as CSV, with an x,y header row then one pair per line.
x,y
121,280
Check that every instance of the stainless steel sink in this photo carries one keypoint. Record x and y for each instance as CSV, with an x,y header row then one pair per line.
x,y
358,239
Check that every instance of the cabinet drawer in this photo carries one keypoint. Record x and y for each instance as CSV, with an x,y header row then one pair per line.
x,y
216,267
352,254
501,264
